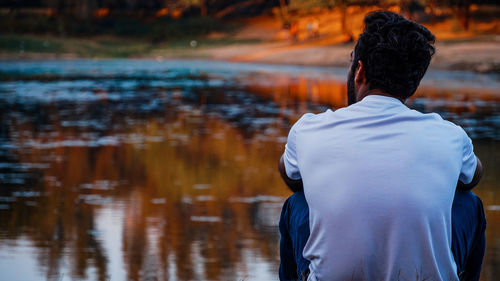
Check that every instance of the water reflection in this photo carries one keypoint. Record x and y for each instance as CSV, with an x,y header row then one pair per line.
x,y
145,171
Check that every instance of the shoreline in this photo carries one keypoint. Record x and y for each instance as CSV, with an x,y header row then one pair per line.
x,y
478,56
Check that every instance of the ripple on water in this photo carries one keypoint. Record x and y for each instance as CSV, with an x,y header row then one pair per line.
x,y
205,219
256,199
493,208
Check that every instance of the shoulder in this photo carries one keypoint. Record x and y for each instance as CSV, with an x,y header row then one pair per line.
x,y
312,118
448,124
443,125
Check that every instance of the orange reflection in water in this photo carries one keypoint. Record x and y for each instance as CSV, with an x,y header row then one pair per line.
x,y
193,195
288,91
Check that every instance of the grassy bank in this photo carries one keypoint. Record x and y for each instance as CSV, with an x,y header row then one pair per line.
x,y
31,36
33,46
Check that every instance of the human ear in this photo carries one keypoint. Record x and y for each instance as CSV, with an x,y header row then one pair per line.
x,y
359,76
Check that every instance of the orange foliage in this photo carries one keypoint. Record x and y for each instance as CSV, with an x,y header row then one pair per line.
x,y
161,13
176,13
101,13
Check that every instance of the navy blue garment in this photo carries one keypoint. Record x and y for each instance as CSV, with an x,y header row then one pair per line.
x,y
468,242
468,236
294,230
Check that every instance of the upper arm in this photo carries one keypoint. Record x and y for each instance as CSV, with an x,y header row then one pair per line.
x,y
288,163
289,158
472,168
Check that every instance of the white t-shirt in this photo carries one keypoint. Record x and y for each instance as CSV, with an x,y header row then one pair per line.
x,y
379,179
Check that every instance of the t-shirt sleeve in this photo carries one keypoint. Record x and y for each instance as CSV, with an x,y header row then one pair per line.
x,y
469,160
290,155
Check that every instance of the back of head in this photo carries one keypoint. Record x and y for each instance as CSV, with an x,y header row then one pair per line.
x,y
395,53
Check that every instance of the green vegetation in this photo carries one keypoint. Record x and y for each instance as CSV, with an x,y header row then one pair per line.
x,y
156,30
112,36
29,44
111,47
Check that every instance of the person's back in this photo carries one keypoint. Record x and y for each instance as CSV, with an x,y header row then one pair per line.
x,y
379,179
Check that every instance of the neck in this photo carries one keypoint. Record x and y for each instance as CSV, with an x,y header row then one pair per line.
x,y
377,92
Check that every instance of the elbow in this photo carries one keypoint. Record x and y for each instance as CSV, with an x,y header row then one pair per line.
x,y
478,174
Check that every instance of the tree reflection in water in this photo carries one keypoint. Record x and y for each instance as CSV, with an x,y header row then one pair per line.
x,y
174,178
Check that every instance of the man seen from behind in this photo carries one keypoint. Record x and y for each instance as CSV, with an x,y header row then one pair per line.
x,y
381,191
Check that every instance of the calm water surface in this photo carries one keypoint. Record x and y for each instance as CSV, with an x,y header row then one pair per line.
x,y
146,170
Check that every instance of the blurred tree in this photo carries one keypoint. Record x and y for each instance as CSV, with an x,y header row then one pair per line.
x,y
284,12
461,9
83,8
330,4
203,8
57,6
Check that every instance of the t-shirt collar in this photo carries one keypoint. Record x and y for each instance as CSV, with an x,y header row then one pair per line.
x,y
379,102
380,98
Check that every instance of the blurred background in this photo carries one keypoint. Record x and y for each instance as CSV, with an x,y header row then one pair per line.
x,y
139,140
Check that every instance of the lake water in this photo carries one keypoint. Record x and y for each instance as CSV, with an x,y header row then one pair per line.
x,y
167,170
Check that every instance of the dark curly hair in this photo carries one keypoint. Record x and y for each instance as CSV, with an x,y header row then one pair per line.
x,y
395,53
